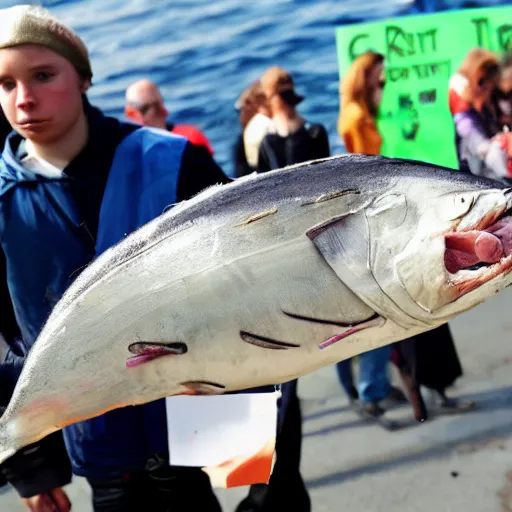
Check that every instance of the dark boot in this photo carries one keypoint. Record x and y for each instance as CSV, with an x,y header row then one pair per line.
x,y
453,405
414,395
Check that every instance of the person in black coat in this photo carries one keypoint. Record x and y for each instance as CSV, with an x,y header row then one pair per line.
x,y
430,359
293,140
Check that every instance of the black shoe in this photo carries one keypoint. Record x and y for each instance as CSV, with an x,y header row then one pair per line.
x,y
453,405
371,410
396,395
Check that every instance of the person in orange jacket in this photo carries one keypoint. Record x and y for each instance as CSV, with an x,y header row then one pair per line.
x,y
361,93
145,105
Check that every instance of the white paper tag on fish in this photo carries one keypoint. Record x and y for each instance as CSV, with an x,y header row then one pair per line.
x,y
232,437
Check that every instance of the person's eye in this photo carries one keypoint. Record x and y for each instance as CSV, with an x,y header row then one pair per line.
x,y
7,85
44,76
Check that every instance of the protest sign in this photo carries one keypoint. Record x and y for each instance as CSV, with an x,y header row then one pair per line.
x,y
421,53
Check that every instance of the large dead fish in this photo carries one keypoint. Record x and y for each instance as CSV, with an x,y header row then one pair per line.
x,y
262,281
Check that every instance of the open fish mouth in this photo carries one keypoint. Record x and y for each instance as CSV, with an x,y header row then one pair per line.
x,y
479,253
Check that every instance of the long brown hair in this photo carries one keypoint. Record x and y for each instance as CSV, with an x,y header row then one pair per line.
x,y
474,67
354,86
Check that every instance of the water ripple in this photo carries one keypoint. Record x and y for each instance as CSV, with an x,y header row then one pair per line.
x,y
204,52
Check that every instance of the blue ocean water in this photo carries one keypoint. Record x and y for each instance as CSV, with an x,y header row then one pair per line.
x,y
203,53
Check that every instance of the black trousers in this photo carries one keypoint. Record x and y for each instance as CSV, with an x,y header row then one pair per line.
x,y
286,490
161,489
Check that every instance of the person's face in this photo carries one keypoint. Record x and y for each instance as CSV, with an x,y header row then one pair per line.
x,y
376,82
504,91
152,109
247,112
487,80
276,104
40,92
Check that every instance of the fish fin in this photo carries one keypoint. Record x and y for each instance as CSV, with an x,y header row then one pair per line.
x,y
332,195
344,243
256,217
318,320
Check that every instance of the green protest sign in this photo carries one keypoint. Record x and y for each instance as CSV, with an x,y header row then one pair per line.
x,y
421,53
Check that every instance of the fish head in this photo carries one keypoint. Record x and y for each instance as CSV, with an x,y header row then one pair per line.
x,y
427,244
461,251
441,245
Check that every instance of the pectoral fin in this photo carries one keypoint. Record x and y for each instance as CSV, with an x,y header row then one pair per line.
x,y
344,242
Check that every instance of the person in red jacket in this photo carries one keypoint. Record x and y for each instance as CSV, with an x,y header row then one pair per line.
x,y
145,105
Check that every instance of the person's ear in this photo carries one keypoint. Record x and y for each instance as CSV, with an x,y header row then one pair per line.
x,y
132,113
84,85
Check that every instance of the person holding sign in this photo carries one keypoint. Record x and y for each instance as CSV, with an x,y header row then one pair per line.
x,y
361,93
481,148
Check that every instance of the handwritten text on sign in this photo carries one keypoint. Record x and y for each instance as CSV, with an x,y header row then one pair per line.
x,y
421,53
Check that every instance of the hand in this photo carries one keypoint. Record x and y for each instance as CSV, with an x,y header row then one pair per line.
x,y
504,139
55,500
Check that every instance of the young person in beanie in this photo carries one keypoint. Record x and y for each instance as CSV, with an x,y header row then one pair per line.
x,y
73,183
293,139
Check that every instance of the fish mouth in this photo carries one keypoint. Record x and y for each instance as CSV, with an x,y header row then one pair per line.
x,y
479,253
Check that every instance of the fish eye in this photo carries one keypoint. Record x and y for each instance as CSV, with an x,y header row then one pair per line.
x,y
455,206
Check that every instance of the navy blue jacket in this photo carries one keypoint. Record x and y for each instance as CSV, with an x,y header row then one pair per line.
x,y
51,228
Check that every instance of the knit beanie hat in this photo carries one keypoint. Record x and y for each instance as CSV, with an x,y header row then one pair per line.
x,y
31,24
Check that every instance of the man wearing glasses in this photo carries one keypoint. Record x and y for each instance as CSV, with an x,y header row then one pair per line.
x,y
145,106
